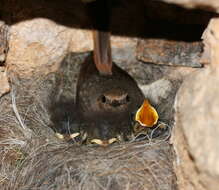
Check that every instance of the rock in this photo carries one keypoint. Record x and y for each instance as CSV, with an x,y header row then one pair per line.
x,y
123,49
197,114
41,44
167,52
185,169
37,45
210,5
4,84
158,90
211,41
81,40
197,122
4,34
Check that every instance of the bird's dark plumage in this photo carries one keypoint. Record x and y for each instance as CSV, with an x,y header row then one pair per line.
x,y
106,103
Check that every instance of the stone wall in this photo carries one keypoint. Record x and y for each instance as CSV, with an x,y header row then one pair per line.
x,y
196,132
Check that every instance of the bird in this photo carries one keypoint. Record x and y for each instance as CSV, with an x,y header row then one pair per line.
x,y
107,103
107,97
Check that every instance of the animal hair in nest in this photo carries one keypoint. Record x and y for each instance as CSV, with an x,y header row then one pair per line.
x,y
33,158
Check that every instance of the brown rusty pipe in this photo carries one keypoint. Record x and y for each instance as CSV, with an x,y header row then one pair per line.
x,y
102,52
99,12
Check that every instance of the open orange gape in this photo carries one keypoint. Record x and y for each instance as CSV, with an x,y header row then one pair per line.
x,y
146,115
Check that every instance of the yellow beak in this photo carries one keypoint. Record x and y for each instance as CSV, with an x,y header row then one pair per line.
x,y
146,115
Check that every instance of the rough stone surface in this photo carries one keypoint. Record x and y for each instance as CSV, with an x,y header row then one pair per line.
x,y
197,118
123,49
43,44
40,42
211,41
4,85
212,5
4,34
197,114
185,169
168,52
157,90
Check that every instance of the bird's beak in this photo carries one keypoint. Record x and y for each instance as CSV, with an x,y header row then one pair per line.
x,y
146,115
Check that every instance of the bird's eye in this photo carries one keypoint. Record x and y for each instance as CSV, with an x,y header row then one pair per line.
x,y
103,99
127,98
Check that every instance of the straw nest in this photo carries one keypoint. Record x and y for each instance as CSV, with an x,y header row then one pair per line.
x,y
33,158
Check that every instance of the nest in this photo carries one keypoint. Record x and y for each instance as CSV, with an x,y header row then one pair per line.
x,y
33,158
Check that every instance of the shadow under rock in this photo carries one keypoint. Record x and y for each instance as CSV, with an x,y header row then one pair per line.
x,y
62,107
148,18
